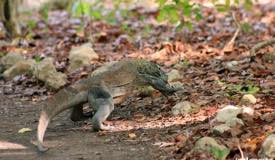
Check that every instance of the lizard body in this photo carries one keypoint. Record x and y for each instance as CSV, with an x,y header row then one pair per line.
x,y
112,80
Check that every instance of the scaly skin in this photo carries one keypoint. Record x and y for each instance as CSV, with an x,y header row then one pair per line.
x,y
112,80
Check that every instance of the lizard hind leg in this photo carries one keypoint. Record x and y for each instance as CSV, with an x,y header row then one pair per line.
x,y
78,115
101,100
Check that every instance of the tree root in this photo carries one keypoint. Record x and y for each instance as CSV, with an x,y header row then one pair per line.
x,y
260,45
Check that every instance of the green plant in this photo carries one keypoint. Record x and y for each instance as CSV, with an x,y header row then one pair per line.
x,y
218,153
246,27
82,8
31,24
2,54
37,58
185,63
44,11
232,89
146,30
224,7
243,89
246,89
179,12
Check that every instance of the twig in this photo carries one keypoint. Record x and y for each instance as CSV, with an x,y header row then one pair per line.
x,y
260,45
231,42
242,156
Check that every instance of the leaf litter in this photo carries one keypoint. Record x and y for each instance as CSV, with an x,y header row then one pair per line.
x,y
211,72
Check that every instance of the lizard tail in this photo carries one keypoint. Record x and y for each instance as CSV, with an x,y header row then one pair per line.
x,y
44,120
42,126
63,100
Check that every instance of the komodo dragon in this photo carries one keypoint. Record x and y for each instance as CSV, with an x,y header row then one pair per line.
x,y
99,90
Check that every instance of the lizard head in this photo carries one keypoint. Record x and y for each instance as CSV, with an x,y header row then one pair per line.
x,y
156,77
152,69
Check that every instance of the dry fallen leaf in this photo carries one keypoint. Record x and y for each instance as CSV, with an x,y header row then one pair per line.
x,y
139,117
180,138
251,144
23,130
132,135
163,144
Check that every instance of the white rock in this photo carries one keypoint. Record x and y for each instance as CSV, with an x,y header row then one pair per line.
x,y
248,99
220,129
173,75
81,56
10,59
248,111
268,147
21,67
177,85
58,80
269,117
46,72
234,121
44,68
227,113
185,107
146,91
209,144
231,65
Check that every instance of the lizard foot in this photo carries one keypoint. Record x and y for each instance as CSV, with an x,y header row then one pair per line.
x,y
42,148
103,128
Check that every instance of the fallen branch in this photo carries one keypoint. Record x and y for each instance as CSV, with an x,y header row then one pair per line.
x,y
260,45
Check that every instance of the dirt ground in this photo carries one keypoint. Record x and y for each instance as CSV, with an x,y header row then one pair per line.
x,y
214,74
69,140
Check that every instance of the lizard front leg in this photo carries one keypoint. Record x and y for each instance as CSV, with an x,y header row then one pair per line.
x,y
101,100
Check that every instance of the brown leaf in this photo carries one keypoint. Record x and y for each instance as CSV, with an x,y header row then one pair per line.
x,y
180,138
160,55
139,117
251,144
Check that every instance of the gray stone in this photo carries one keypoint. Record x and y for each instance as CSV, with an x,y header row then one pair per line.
x,y
268,147
185,107
209,144
81,56
248,99
46,72
10,59
21,67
